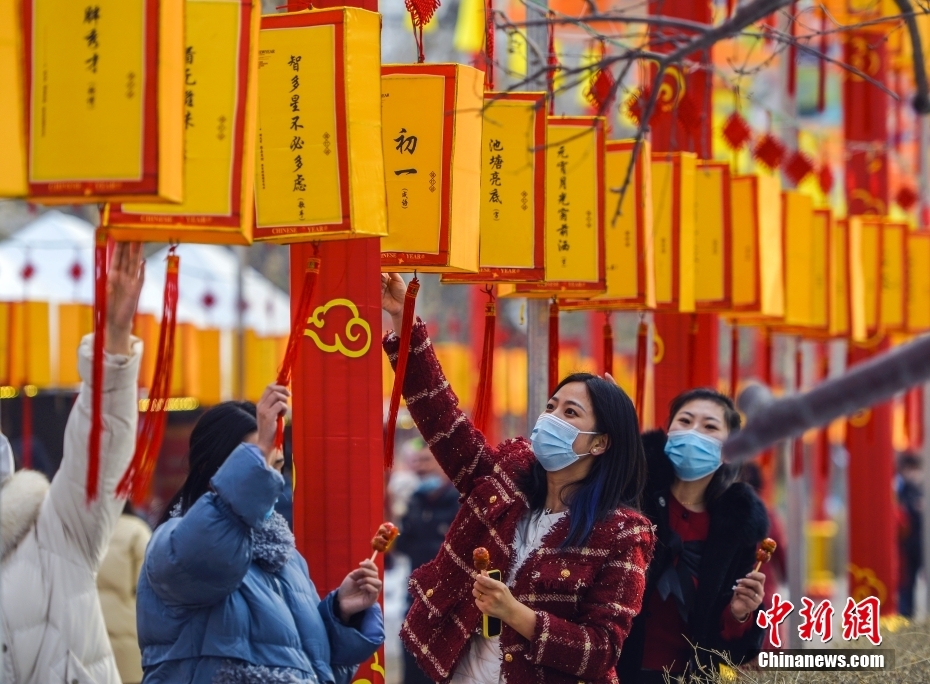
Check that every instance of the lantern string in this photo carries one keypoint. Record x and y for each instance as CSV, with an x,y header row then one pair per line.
x,y
96,390
136,480
642,337
483,398
553,345
822,63
608,340
400,371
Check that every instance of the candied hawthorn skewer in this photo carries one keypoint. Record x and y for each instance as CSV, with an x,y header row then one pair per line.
x,y
764,553
384,539
481,558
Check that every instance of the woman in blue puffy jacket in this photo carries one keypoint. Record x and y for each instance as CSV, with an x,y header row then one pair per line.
x,y
224,597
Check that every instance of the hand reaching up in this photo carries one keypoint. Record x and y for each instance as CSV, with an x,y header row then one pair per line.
x,y
124,285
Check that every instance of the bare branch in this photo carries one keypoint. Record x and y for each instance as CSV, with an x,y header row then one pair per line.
x,y
921,101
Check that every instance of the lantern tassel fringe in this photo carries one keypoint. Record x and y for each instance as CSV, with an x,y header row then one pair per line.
x,y
400,371
484,394
96,390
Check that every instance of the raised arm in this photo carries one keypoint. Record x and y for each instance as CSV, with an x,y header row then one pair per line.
x,y
459,447
66,519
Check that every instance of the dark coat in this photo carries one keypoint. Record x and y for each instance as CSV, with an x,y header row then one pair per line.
x,y
738,522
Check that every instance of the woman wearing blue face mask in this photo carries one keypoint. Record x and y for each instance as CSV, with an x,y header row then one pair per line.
x,y
700,590
558,516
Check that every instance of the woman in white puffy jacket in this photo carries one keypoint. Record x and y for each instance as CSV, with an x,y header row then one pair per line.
x,y
52,541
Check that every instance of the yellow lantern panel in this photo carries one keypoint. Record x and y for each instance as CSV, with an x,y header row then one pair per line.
x,y
575,261
74,321
431,134
629,251
200,360
713,283
219,119
918,282
871,259
318,170
857,287
102,82
757,252
806,255
513,190
12,125
25,344
673,202
893,304
839,278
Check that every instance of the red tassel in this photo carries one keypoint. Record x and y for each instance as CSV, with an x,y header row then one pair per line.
x,y
552,64
96,396
136,480
600,92
489,45
913,412
898,112
769,151
822,64
608,345
401,370
797,167
553,346
797,456
642,338
298,323
689,113
26,449
421,13
692,351
825,178
730,4
485,392
793,49
734,361
736,132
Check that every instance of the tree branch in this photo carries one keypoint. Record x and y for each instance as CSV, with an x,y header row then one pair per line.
x,y
921,101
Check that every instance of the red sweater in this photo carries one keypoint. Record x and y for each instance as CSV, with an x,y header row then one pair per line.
x,y
584,597
667,645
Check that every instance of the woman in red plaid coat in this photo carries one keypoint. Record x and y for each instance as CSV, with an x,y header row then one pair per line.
x,y
559,519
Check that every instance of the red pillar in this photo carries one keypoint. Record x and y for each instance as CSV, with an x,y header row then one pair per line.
x,y
690,357
337,432
872,540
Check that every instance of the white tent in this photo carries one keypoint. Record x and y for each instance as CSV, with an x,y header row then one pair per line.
x,y
60,247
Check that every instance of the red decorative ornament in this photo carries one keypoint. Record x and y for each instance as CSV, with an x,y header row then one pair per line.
x,y
421,13
76,271
600,92
689,114
28,271
825,178
769,151
736,131
798,166
208,300
636,105
906,198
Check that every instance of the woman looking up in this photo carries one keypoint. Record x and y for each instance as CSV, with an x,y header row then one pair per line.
x,y
558,516
701,595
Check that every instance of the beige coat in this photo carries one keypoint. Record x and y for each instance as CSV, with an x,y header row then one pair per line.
x,y
116,584
52,542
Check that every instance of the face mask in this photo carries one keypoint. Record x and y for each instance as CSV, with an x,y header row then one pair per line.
x,y
693,455
552,440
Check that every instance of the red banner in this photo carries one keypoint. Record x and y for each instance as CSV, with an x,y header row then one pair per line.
x,y
337,431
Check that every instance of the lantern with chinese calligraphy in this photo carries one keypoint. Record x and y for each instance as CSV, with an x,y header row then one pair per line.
x,y
25,344
431,129
513,190
918,282
713,290
758,278
219,118
104,103
894,276
12,124
673,202
850,233
629,255
319,173
807,266
575,262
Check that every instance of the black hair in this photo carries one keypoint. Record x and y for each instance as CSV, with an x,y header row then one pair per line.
x,y
215,436
617,477
727,473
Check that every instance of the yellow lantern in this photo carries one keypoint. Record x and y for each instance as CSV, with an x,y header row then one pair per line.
x,y
918,282
894,276
431,135
513,190
219,117
839,275
629,255
25,344
12,125
806,254
104,102
575,259
713,248
673,210
319,173
200,363
758,265
74,321
856,288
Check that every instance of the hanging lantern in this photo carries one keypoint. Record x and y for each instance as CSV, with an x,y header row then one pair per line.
x,y
807,266
12,125
74,321
838,282
318,172
200,363
512,220
220,99
851,237
713,238
918,282
673,210
431,129
25,344
758,266
893,306
575,254
101,81
629,254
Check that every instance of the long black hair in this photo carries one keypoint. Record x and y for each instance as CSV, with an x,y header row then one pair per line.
x,y
215,436
617,477
727,473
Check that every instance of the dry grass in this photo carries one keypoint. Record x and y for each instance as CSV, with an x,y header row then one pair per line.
x,y
910,641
